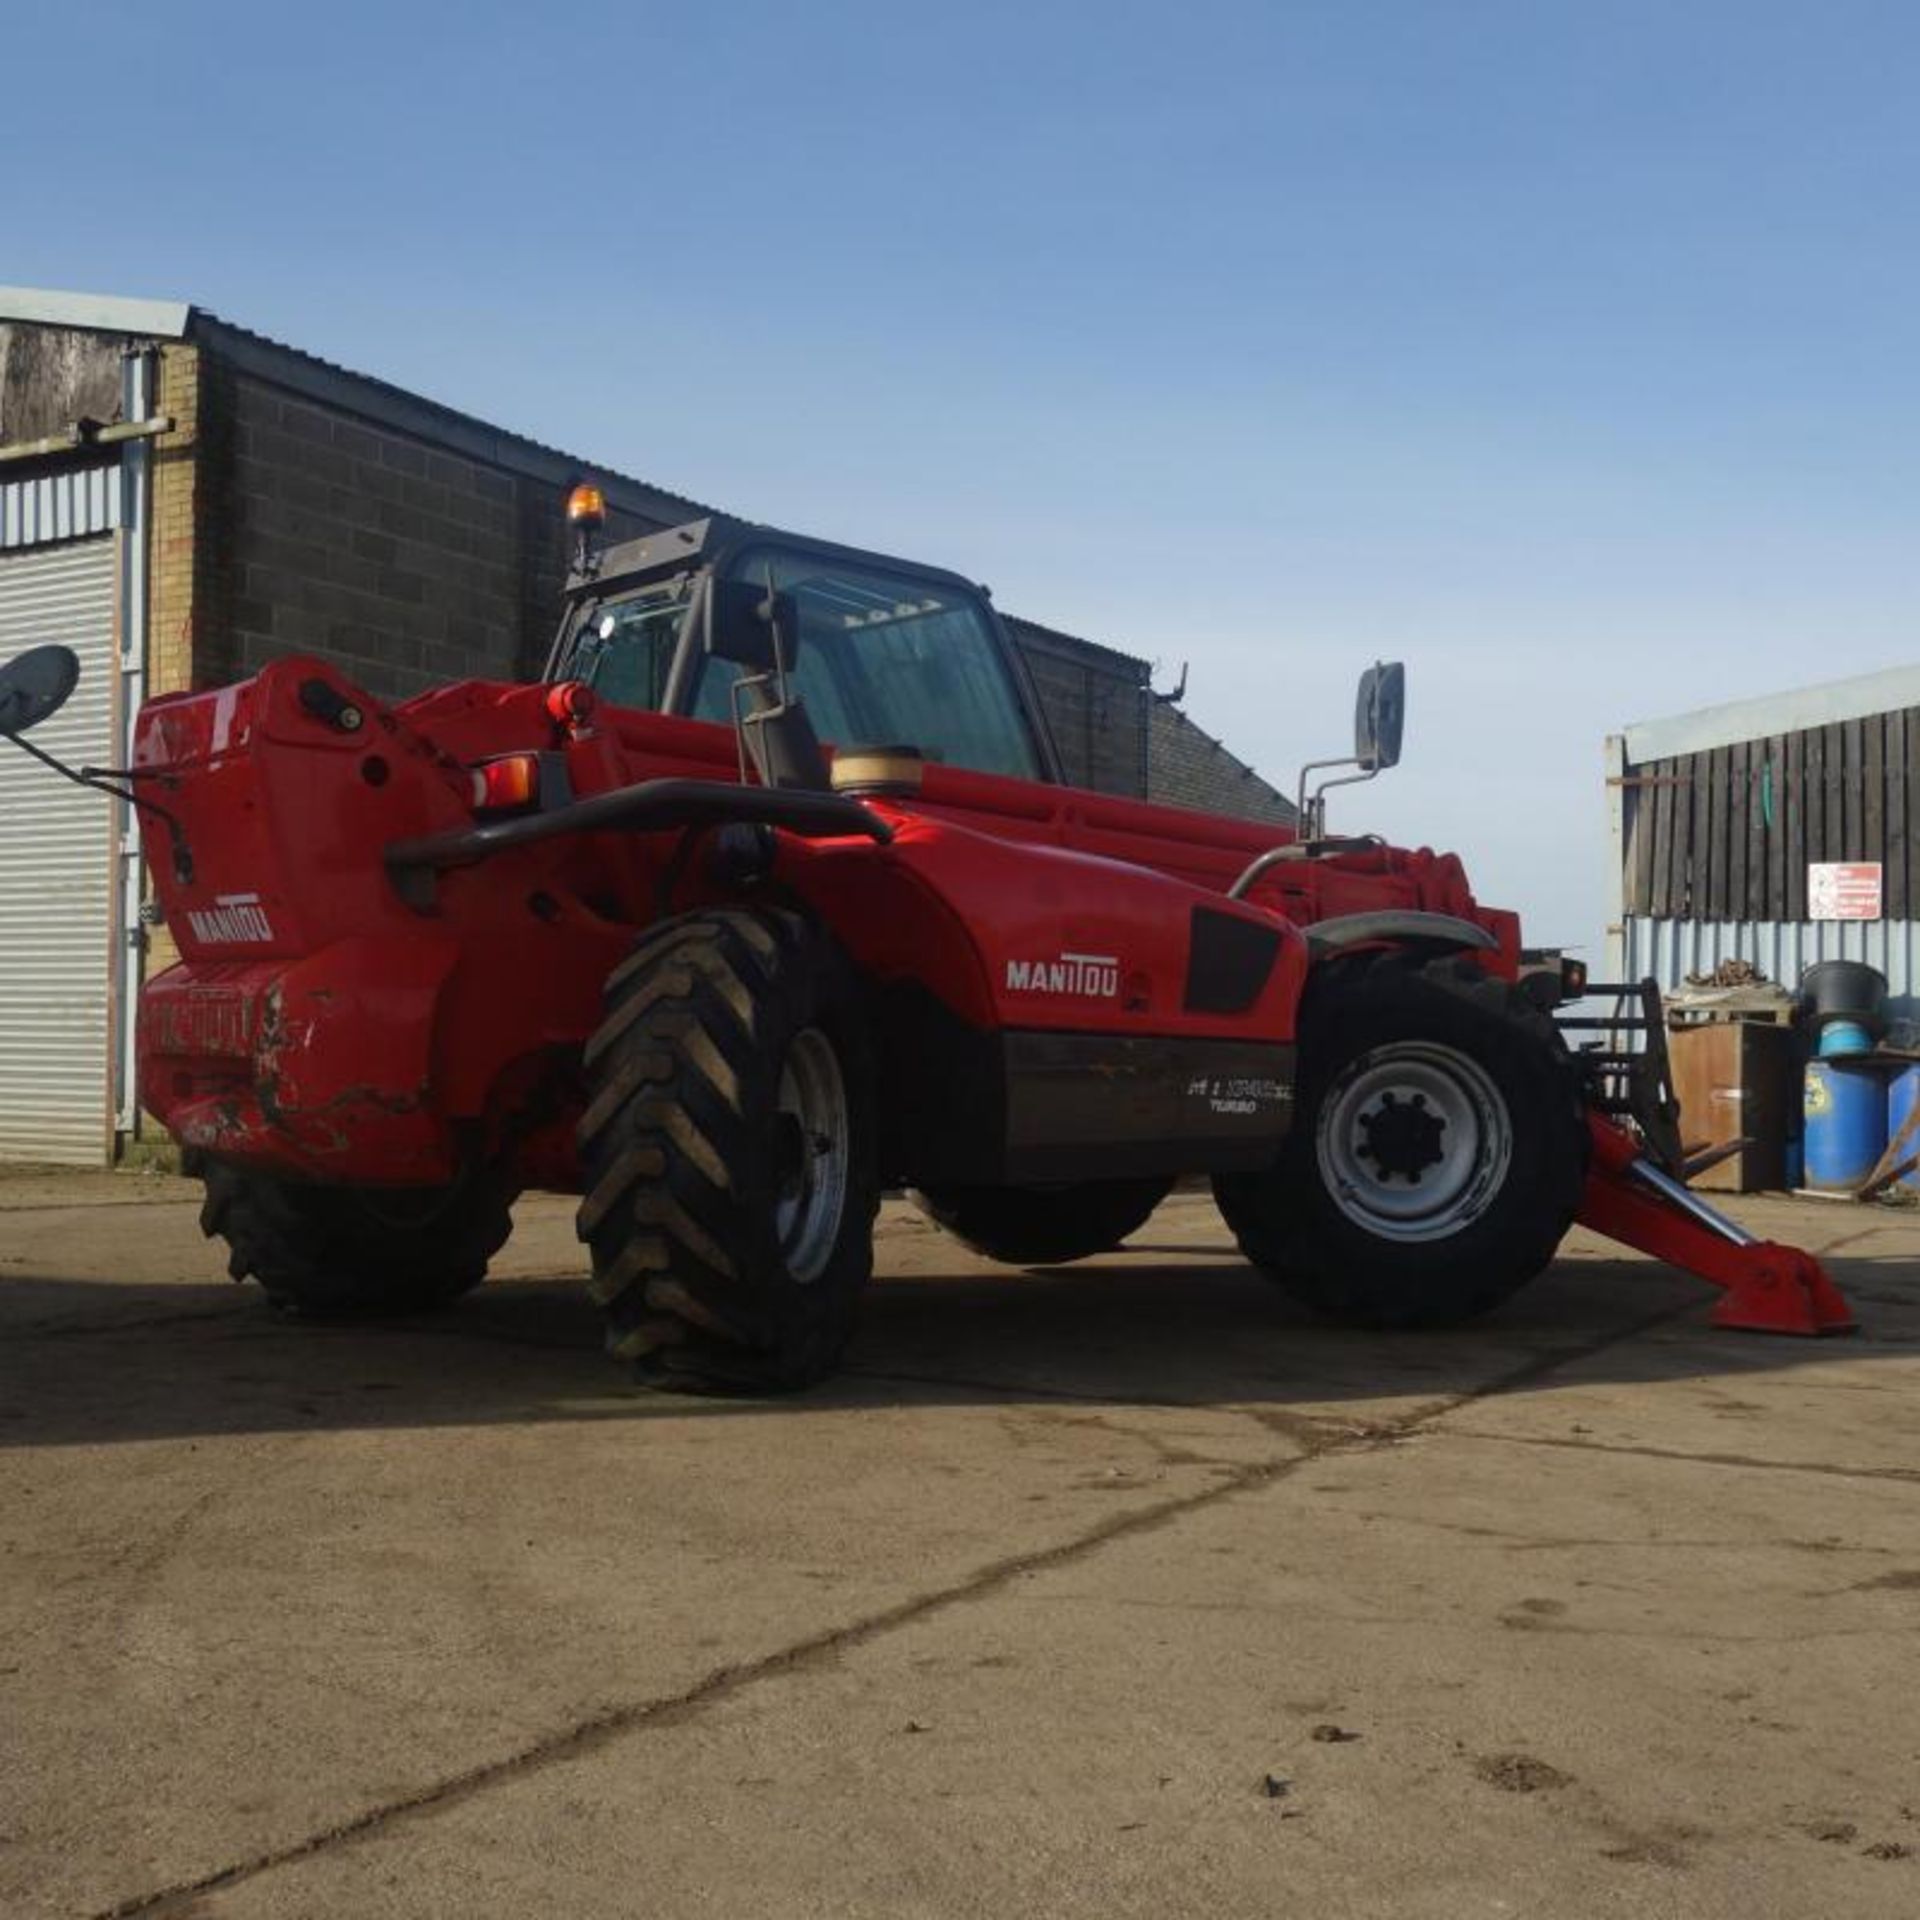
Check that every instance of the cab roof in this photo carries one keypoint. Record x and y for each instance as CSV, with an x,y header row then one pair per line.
x,y
714,540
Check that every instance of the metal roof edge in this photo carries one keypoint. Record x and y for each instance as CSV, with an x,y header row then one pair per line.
x,y
1068,644
1854,699
96,312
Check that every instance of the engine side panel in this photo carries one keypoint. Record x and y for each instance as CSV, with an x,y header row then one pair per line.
x,y
1048,1015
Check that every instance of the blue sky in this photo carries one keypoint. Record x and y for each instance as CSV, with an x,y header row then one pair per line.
x,y
1566,352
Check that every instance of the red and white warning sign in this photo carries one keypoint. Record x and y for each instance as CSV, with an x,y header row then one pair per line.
x,y
1843,890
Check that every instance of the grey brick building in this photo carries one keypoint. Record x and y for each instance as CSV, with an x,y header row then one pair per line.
x,y
182,499
1188,767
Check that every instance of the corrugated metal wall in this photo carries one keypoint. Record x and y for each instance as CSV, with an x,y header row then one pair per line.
x,y
56,871
59,506
1783,950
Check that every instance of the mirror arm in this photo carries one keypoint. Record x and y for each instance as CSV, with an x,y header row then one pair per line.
x,y
1312,811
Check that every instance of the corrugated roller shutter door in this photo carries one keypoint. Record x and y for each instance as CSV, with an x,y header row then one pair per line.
x,y
56,868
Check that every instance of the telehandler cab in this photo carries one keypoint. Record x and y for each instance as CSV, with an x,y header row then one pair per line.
x,y
638,933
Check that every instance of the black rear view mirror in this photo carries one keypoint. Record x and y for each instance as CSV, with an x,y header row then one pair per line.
x,y
1379,715
740,623
34,685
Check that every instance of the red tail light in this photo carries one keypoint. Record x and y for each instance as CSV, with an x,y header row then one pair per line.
x,y
508,784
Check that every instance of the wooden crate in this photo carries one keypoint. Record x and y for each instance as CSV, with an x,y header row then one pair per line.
x,y
1734,1079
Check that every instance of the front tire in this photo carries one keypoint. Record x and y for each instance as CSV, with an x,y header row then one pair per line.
x,y
729,1153
1043,1226
336,1252
1437,1155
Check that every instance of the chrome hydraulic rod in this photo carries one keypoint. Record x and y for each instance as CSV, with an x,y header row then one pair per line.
x,y
1690,1202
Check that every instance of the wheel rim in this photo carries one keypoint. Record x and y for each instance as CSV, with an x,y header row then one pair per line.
x,y
816,1153
1414,1141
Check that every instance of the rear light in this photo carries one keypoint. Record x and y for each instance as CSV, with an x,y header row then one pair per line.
x,y
506,785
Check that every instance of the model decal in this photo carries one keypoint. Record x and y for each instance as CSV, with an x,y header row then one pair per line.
x,y
1238,1094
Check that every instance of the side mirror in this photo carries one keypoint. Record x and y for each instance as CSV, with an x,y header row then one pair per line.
x,y
34,685
741,616
1379,715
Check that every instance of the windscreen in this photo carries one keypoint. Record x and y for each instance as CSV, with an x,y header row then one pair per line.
x,y
885,659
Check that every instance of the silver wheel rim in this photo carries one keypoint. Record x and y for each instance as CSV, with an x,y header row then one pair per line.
x,y
1414,1141
812,1104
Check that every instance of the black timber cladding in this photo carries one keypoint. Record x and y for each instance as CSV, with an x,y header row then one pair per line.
x,y
1728,833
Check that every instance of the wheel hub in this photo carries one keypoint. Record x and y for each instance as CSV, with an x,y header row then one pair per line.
x,y
1402,1136
1413,1140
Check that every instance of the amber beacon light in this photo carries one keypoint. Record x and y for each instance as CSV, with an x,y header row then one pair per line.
x,y
586,515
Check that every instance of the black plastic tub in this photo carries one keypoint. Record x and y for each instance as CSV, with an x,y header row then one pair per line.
x,y
1845,990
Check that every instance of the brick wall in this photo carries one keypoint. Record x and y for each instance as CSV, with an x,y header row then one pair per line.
x,y
285,523
1187,767
174,558
396,560
405,562
1094,701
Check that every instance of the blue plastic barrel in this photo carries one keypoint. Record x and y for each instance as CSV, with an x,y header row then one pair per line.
x,y
1846,1110
1840,1039
1903,1095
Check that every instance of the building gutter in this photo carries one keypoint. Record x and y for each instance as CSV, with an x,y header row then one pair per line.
x,y
136,491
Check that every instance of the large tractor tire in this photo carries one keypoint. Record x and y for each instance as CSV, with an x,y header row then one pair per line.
x,y
1043,1226
1437,1154
332,1252
729,1153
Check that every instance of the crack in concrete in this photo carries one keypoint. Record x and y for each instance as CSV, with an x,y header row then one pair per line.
x,y
1747,1461
1306,1428
601,1729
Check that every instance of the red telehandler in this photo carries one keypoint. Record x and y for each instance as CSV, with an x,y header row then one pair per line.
x,y
635,932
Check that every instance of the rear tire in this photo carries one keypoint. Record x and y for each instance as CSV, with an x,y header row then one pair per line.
x,y
1043,1226
1437,1155
729,1153
333,1252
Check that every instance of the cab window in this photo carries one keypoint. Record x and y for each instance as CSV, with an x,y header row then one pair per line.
x,y
625,650
885,659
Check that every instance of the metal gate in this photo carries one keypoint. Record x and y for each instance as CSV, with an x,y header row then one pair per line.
x,y
56,869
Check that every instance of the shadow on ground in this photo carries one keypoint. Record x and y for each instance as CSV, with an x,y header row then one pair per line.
x,y
1170,1323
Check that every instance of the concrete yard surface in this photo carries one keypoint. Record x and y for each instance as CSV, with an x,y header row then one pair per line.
x,y
1117,1589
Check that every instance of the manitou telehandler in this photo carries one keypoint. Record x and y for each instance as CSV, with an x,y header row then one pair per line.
x,y
769,897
